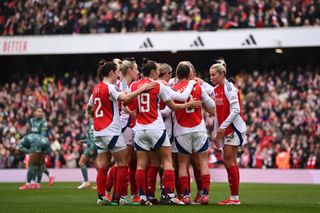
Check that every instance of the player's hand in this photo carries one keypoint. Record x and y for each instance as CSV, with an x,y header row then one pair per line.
x,y
194,103
219,135
193,82
217,145
148,86
198,80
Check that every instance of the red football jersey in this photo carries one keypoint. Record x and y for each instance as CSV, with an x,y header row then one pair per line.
x,y
148,105
105,108
189,117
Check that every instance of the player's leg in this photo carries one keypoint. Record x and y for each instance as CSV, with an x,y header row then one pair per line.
x,y
39,162
84,170
231,144
128,134
184,178
101,179
205,176
194,161
132,172
30,173
141,176
110,182
230,155
201,145
154,164
120,154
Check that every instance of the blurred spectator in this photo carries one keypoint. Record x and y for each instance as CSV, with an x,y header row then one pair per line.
x,y
283,159
34,17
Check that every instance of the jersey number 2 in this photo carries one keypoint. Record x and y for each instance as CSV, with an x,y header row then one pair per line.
x,y
98,113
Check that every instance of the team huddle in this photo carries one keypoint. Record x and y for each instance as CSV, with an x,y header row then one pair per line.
x,y
154,124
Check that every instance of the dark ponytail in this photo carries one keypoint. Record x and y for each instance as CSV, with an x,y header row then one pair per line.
x,y
148,66
104,68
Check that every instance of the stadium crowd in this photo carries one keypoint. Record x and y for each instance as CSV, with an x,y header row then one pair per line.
x,y
42,17
280,108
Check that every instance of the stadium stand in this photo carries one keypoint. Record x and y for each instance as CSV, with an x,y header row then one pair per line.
x,y
44,17
281,109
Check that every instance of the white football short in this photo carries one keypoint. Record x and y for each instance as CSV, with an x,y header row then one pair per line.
x,y
128,135
112,143
147,139
192,142
234,139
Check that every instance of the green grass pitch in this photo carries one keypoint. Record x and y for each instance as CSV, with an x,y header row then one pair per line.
x,y
64,197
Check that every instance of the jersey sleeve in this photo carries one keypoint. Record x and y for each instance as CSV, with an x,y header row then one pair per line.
x,y
184,95
114,92
208,88
232,95
90,102
165,112
207,100
163,93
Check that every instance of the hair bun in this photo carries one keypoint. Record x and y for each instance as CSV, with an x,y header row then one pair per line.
x,y
144,60
102,62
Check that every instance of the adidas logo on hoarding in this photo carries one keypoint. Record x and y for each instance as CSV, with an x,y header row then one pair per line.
x,y
249,41
146,44
197,42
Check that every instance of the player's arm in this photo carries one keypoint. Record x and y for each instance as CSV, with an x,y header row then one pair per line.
x,y
215,131
233,99
177,96
23,146
208,103
207,87
126,98
173,106
166,112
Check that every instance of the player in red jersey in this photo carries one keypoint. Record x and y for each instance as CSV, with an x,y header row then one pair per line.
x,y
191,135
150,131
129,71
107,129
229,127
165,71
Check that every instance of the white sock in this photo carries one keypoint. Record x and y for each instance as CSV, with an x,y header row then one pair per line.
x,y
234,197
171,195
143,197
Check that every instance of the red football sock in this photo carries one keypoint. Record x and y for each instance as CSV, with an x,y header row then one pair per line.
x,y
238,175
184,184
168,181
132,177
122,180
110,179
197,178
152,180
233,179
101,181
141,181
177,182
115,183
205,182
